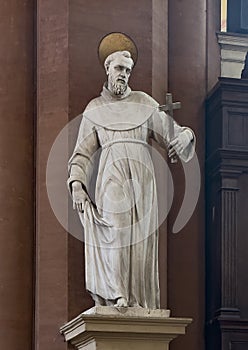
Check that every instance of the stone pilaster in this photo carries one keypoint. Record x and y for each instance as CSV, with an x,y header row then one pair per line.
x,y
17,172
228,193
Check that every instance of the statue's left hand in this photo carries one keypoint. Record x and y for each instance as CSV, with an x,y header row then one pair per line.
x,y
180,142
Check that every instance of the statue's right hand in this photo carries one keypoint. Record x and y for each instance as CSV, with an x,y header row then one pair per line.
x,y
79,196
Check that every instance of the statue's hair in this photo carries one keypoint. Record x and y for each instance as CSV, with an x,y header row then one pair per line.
x,y
114,55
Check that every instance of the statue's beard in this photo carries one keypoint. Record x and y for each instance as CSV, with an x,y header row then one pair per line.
x,y
118,88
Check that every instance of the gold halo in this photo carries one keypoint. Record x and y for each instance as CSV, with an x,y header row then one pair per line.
x,y
116,42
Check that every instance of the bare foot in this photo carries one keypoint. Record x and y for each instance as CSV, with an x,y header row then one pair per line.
x,y
121,302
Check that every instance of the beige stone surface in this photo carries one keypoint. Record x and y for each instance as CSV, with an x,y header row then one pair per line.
x,y
233,51
134,329
126,311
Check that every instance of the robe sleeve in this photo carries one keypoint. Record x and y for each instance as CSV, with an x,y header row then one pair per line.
x,y
159,131
81,162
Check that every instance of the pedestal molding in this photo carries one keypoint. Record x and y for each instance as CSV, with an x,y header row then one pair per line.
x,y
85,330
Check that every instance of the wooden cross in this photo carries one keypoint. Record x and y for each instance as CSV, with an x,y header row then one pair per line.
x,y
169,107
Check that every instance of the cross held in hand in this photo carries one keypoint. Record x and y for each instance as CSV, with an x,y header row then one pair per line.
x,y
170,105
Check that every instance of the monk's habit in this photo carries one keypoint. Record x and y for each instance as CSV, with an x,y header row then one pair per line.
x,y
121,220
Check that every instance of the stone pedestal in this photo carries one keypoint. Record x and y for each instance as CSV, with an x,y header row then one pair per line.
x,y
109,328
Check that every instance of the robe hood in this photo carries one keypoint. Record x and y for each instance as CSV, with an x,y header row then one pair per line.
x,y
122,112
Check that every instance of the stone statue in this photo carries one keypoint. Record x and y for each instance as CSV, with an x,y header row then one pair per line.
x,y
121,228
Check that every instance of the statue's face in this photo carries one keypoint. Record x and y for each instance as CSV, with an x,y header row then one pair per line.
x,y
119,72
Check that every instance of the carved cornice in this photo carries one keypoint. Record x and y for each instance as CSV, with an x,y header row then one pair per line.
x,y
233,324
227,161
228,91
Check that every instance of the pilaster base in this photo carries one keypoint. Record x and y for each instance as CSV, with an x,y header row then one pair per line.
x,y
109,328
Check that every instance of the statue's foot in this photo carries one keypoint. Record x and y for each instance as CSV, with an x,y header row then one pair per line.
x,y
121,302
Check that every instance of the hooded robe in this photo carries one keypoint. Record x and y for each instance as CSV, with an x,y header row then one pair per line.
x,y
121,228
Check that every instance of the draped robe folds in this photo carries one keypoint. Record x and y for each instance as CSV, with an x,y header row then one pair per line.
x,y
121,229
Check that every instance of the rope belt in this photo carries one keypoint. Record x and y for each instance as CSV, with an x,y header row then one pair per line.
x,y
125,140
